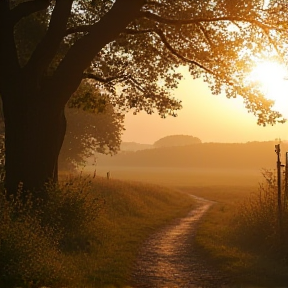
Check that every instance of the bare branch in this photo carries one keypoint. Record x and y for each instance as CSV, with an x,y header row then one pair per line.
x,y
27,8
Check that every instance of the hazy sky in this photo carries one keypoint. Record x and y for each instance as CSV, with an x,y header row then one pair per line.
x,y
208,117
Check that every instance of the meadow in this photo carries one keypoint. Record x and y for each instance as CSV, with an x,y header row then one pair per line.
x,y
239,235
87,235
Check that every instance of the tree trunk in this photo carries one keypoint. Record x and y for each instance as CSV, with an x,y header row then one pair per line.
x,y
34,135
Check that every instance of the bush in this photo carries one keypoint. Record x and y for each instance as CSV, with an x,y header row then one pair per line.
x,y
72,211
258,222
37,244
29,255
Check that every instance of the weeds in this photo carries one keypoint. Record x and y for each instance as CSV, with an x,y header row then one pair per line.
x,y
34,242
29,253
241,235
260,224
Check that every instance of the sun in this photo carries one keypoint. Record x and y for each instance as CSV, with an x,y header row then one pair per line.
x,y
271,77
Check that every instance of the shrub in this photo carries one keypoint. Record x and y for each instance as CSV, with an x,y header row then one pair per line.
x,y
36,245
258,222
28,252
71,212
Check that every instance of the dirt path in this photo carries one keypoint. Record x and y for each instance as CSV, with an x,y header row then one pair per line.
x,y
169,258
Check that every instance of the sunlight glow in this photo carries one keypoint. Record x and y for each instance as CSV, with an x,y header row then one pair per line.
x,y
265,4
271,77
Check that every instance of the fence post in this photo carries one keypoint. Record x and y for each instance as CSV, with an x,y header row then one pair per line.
x,y
286,182
277,150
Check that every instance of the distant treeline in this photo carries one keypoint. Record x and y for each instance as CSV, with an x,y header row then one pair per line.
x,y
202,155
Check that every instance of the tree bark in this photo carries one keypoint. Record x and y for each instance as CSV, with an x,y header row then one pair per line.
x,y
34,133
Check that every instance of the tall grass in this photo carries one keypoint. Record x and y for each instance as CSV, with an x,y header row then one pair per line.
x,y
241,234
87,235
261,222
34,241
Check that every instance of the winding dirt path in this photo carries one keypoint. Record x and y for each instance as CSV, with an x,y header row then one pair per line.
x,y
169,258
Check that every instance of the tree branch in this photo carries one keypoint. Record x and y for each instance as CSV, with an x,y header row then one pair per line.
x,y
275,46
169,47
178,55
137,84
123,77
27,8
47,48
79,29
9,65
104,80
204,32
122,13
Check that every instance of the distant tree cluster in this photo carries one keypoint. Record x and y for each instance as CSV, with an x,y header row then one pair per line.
x,y
176,140
93,125
88,133
204,156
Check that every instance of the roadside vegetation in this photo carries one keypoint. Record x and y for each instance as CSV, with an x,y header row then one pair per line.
x,y
86,236
241,234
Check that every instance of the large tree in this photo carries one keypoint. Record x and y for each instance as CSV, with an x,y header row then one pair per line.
x,y
130,48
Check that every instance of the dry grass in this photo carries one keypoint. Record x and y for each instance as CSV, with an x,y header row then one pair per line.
x,y
86,236
132,212
240,235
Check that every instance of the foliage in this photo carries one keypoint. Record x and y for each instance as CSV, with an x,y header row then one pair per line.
x,y
176,140
91,127
37,242
167,35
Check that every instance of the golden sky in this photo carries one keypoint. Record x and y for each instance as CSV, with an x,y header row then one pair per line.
x,y
208,117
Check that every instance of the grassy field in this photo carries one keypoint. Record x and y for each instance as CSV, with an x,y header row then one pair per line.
x,y
94,228
88,235
180,176
247,260
132,212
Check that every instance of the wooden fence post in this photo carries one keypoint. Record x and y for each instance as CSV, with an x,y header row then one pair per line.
x,y
277,150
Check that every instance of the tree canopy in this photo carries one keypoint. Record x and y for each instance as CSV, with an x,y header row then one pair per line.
x,y
136,46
